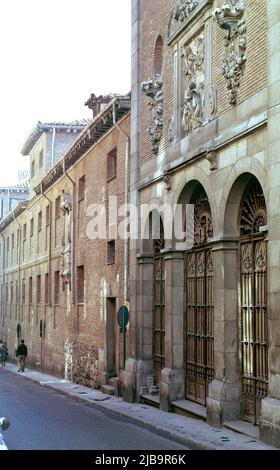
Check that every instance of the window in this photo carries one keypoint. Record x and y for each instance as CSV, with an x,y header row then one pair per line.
x,y
111,251
31,227
56,287
82,187
13,241
12,293
47,288
57,207
8,244
24,232
47,215
41,158
38,289
23,291
30,291
158,56
32,168
40,221
112,164
80,284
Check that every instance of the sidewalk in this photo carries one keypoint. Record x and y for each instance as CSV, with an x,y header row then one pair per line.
x,y
188,431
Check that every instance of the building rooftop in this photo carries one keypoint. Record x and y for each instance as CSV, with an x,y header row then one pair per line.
x,y
41,127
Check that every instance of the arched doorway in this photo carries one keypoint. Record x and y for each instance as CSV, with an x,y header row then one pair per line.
x,y
253,309
159,305
199,314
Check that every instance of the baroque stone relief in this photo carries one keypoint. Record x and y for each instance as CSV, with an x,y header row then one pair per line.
x,y
230,19
180,12
66,252
193,58
153,90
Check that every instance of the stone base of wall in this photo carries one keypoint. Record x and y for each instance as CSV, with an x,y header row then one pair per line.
x,y
270,422
223,403
85,370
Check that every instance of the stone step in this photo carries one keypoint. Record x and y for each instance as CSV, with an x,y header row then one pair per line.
x,y
108,389
114,382
190,409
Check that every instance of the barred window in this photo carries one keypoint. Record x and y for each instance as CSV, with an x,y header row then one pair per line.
x,y
112,164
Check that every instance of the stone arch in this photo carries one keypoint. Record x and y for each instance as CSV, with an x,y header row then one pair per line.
x,y
228,221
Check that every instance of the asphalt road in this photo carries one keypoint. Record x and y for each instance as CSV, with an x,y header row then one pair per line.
x,y
42,419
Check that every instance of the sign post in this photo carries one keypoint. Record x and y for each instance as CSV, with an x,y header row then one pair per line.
x,y
123,318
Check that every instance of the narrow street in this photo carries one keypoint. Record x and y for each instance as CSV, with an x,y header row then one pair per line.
x,y
42,419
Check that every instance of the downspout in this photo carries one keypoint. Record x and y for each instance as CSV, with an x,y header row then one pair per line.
x,y
3,275
126,198
49,276
53,144
73,232
50,245
19,261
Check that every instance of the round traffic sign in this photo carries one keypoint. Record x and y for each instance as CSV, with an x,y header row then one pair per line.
x,y
123,316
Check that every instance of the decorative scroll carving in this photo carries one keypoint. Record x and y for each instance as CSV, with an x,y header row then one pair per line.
x,y
193,55
181,11
153,89
253,212
230,18
203,225
212,159
171,124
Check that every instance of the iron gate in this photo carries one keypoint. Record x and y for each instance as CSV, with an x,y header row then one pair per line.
x,y
254,327
253,270
199,325
159,316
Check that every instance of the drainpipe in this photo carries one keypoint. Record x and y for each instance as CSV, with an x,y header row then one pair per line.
x,y
50,247
73,232
53,144
19,260
3,274
126,197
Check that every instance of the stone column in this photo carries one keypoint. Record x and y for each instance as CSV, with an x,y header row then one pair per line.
x,y
223,402
172,384
270,413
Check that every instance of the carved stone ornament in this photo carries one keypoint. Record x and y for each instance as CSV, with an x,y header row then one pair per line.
x,y
181,11
65,264
153,89
171,132
193,55
230,18
212,159
167,181
66,203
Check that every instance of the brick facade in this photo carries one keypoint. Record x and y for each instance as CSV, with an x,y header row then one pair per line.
x,y
40,282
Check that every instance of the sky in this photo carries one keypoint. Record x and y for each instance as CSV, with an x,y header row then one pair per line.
x,y
54,54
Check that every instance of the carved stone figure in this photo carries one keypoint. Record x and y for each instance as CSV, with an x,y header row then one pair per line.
x,y
193,55
153,89
181,11
230,19
212,159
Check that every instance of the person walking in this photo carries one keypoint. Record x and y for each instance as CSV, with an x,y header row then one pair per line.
x,y
3,353
21,354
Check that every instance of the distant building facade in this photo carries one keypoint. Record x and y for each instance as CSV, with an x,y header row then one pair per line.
x,y
205,113
60,287
11,196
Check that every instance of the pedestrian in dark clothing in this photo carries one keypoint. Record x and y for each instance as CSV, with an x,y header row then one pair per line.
x,y
3,353
21,355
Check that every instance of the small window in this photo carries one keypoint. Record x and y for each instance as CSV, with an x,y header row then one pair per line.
x,y
31,227
32,168
13,241
12,293
158,56
56,287
23,291
30,292
39,221
47,288
57,207
80,284
8,244
112,164
82,187
38,289
24,232
48,215
41,158
111,252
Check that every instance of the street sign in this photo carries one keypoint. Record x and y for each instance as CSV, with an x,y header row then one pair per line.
x,y
123,317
